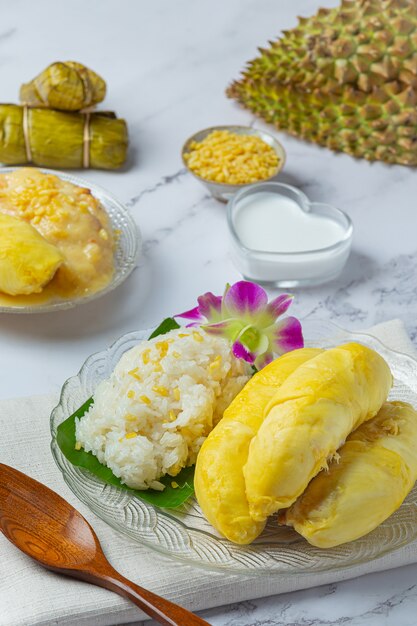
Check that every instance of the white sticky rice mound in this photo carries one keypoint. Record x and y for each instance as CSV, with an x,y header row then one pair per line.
x,y
142,434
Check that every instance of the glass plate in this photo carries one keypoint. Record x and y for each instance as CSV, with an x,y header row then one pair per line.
x,y
184,533
126,252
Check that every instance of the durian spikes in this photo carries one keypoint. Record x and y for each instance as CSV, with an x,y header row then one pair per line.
x,y
345,78
337,46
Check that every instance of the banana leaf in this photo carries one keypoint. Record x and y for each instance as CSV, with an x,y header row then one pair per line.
x,y
56,138
68,86
169,498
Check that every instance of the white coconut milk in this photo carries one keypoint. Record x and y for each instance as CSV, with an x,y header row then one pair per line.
x,y
271,222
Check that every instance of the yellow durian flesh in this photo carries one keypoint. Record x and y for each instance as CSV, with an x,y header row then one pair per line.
x,y
376,470
308,419
219,481
27,261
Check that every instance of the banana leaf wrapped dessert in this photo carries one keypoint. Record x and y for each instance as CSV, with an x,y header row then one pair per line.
x,y
68,86
60,139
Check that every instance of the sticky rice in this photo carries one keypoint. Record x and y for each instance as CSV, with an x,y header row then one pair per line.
x,y
165,395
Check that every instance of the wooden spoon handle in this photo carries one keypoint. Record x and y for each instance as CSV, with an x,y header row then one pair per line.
x,y
163,611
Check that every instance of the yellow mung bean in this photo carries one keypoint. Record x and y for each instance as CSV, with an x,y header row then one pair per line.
x,y
162,346
227,157
135,374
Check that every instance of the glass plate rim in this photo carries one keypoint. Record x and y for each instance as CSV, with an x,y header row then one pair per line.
x,y
343,334
132,229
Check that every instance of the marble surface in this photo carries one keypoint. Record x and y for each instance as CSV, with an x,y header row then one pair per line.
x,y
167,65
385,599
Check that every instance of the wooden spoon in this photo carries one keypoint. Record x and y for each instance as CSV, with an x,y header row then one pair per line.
x,y
44,526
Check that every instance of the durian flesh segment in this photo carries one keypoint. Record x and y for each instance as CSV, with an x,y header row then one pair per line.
x,y
27,261
219,481
308,419
376,470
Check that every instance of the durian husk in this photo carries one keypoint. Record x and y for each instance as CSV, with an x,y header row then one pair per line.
x,y
56,138
65,86
362,43
345,78
378,126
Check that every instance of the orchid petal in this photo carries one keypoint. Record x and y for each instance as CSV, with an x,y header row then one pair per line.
x,y
241,352
210,306
229,328
280,305
245,300
263,360
286,335
192,314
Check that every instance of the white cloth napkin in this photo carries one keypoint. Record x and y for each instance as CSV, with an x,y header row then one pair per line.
x,y
32,596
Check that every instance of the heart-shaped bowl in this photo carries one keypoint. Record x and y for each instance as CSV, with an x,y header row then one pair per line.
x,y
301,268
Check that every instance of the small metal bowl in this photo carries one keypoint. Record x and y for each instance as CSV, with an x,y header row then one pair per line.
x,y
224,191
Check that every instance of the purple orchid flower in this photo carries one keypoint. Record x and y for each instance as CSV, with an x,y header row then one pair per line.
x,y
244,316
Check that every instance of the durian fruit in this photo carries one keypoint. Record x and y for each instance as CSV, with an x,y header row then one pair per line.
x,y
375,470
219,482
345,78
27,261
308,419
362,43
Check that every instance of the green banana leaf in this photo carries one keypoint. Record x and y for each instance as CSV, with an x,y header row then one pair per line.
x,y
169,498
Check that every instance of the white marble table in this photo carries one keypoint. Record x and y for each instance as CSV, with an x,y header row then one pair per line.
x,y
167,65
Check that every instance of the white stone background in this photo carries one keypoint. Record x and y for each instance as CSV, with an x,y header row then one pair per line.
x,y
167,65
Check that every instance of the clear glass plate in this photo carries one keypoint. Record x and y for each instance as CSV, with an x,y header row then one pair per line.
x,y
184,533
128,245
